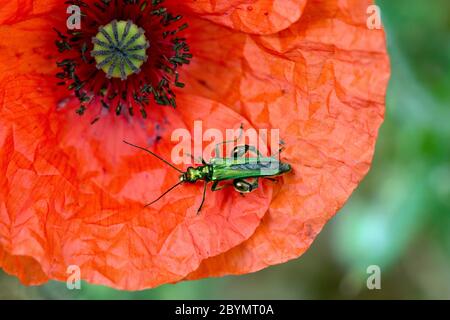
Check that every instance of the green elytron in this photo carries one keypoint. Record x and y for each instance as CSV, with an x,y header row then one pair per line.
x,y
243,171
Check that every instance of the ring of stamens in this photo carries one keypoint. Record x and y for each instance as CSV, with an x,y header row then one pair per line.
x,y
98,63
120,49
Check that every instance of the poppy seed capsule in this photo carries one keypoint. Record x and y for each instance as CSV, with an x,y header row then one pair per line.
x,y
120,49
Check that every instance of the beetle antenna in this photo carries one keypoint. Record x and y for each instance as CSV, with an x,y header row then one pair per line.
x,y
155,155
181,182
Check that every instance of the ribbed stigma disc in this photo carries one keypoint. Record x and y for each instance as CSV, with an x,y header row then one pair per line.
x,y
120,49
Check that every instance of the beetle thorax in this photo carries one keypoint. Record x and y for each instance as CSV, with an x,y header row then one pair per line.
x,y
194,174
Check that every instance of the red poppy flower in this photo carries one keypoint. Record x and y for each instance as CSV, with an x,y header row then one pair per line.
x,y
72,192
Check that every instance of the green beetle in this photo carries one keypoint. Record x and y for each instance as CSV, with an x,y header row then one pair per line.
x,y
244,172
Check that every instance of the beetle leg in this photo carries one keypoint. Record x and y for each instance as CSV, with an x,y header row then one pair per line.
x,y
255,184
215,186
280,150
243,186
203,199
196,160
240,151
217,150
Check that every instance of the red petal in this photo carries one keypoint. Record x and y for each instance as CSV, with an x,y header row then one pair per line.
x,y
14,11
325,80
73,193
250,16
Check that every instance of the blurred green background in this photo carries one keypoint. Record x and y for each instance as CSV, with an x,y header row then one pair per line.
x,y
398,219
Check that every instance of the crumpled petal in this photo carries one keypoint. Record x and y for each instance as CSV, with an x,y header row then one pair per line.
x,y
28,267
249,16
323,82
73,193
14,11
23,52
